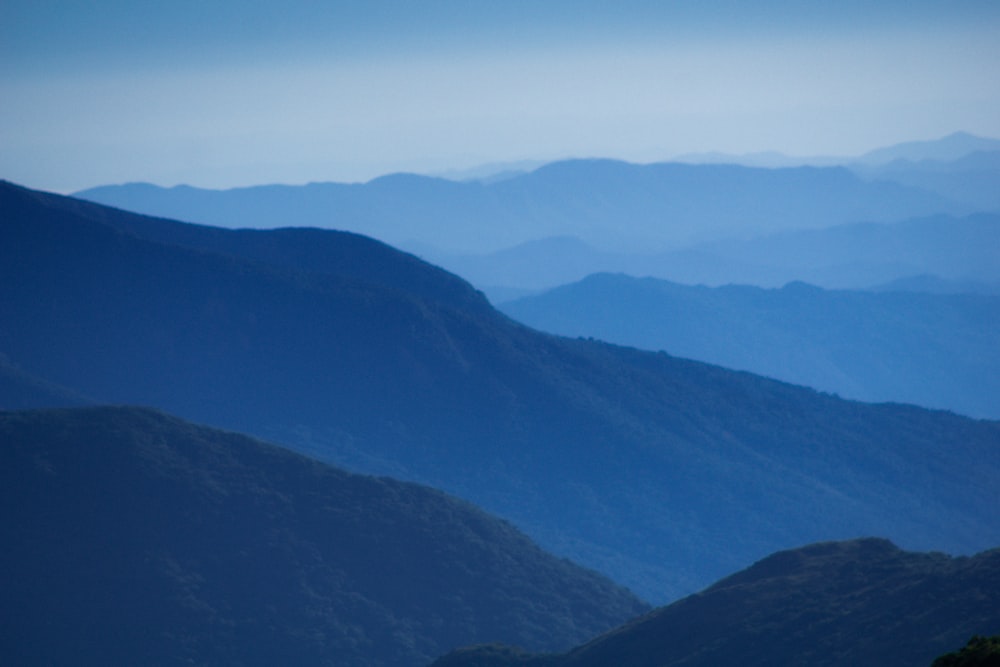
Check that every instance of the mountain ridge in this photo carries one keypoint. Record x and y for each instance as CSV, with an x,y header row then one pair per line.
x,y
610,203
831,604
937,350
649,468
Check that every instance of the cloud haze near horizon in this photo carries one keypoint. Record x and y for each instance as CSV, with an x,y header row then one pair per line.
x,y
237,94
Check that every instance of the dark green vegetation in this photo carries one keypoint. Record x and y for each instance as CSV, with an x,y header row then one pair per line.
x,y
935,350
665,474
134,538
979,652
838,604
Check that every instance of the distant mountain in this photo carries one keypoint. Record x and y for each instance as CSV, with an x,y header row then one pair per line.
x,y
936,350
608,204
663,473
973,179
766,159
491,172
863,602
864,254
533,265
856,256
134,538
952,147
955,146
930,284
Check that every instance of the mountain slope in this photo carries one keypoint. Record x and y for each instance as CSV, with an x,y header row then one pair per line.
x,y
132,537
863,602
606,203
936,350
661,472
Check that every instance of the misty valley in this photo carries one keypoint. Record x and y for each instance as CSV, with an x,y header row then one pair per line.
x,y
708,412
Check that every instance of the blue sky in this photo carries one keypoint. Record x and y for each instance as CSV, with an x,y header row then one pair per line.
x,y
220,94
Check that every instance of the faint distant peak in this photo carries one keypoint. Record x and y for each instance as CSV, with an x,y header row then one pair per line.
x,y
763,159
952,147
491,172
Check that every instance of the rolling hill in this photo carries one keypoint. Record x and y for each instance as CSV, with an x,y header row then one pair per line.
x,y
936,350
862,602
132,537
664,473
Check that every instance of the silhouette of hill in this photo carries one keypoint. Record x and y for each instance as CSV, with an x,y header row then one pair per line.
x,y
978,652
608,204
133,538
936,350
862,602
661,472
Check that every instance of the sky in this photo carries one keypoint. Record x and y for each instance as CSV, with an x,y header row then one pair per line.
x,y
225,94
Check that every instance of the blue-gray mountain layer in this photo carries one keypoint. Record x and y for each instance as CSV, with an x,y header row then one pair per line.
x,y
609,204
662,472
936,350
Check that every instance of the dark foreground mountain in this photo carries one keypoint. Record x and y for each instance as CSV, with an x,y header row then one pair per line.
x,y
604,202
134,538
935,350
664,473
841,604
978,652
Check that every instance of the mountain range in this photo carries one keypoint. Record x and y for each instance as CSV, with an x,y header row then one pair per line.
x,y
861,602
936,350
939,253
535,226
663,473
606,203
134,538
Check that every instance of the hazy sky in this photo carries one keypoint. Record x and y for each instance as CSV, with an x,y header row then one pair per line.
x,y
219,94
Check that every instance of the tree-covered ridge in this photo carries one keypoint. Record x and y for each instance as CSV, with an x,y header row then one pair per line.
x,y
837,604
132,537
979,652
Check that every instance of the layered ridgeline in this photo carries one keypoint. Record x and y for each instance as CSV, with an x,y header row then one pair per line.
x,y
840,604
933,254
606,203
134,538
935,350
664,473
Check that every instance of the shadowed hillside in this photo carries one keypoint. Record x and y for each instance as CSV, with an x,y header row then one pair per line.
x,y
134,538
863,602
662,472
